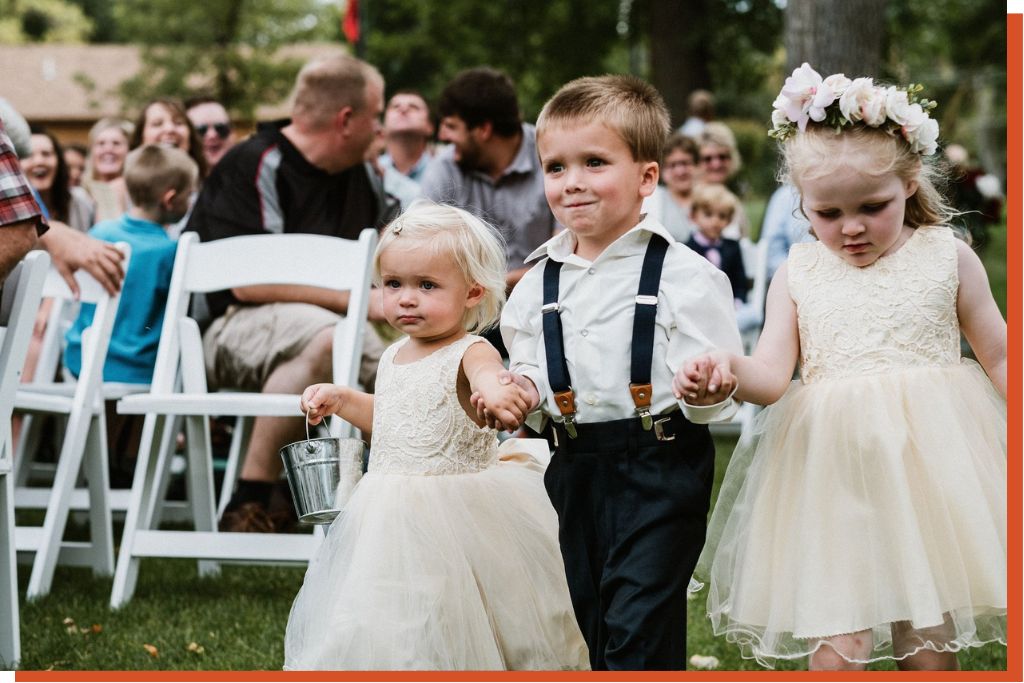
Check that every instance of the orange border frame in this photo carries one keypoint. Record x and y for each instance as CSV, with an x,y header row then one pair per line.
x,y
1014,672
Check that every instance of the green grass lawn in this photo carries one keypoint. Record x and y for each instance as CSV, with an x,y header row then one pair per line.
x,y
237,620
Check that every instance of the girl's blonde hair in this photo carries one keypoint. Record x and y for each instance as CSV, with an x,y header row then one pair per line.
x,y
819,151
474,246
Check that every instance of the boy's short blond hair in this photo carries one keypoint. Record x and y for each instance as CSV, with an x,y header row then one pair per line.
x,y
713,196
628,105
151,170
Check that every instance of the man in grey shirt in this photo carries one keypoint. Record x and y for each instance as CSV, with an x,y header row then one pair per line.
x,y
491,167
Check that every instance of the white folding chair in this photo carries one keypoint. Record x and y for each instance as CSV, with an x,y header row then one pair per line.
x,y
22,293
755,263
83,450
289,259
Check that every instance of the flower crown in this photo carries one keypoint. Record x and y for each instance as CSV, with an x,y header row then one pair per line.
x,y
838,102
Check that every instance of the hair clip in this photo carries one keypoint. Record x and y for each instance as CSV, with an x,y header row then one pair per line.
x,y
397,228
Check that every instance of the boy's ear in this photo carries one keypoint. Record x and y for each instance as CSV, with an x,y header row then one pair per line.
x,y
648,178
475,294
167,197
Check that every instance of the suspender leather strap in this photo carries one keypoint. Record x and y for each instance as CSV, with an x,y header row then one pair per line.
x,y
645,311
558,369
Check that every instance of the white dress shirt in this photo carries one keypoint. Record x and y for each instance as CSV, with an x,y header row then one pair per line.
x,y
597,299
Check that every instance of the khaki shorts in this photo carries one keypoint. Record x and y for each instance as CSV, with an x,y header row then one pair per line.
x,y
246,344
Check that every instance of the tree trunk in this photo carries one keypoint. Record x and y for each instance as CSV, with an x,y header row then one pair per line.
x,y
679,51
836,36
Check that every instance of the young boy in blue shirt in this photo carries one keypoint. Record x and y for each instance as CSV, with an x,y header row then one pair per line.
x,y
160,181
596,331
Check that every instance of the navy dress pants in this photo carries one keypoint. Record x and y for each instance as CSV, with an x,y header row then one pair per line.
x,y
632,516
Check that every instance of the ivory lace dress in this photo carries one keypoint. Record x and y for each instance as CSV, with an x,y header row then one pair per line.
x,y
873,494
446,555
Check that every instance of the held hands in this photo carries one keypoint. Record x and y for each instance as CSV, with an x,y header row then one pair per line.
x,y
504,401
705,380
320,400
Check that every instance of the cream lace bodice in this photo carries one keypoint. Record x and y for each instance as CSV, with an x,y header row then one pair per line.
x,y
898,312
419,426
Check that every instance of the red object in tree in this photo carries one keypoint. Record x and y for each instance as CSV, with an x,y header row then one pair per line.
x,y
350,23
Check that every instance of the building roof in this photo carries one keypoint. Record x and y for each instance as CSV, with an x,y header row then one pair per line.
x,y
53,82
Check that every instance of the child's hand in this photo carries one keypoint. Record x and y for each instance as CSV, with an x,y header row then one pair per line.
x,y
320,400
705,380
505,404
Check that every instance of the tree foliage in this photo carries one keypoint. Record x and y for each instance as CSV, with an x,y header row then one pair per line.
x,y
223,48
422,44
43,21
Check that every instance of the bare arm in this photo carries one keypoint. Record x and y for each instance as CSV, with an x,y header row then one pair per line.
x,y
71,250
18,239
355,407
980,319
505,403
330,299
763,377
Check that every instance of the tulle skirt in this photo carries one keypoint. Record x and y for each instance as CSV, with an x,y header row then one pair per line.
x,y
439,573
874,503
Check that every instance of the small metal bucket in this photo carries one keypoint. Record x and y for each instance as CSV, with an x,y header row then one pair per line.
x,y
321,475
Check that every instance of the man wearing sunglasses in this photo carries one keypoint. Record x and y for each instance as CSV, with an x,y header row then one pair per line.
x,y
213,125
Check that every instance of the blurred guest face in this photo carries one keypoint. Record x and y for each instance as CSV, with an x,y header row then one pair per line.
x,y
407,114
41,166
464,141
108,153
213,125
75,162
680,171
164,127
715,163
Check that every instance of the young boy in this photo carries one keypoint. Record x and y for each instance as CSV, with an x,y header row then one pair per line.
x,y
712,209
160,181
595,332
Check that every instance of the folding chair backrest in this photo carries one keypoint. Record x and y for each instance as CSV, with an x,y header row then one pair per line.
x,y
280,259
20,299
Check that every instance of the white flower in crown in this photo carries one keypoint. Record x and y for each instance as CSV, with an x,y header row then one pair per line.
x,y
897,106
863,101
925,139
805,96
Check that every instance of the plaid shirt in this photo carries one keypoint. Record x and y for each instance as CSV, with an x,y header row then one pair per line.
x,y
16,201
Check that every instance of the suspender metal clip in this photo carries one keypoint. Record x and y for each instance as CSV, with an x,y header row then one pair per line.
x,y
641,394
659,430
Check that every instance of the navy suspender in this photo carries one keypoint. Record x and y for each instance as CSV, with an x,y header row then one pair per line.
x,y
643,337
558,369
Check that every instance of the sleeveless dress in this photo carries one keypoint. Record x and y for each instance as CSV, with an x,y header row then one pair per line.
x,y
446,555
873,494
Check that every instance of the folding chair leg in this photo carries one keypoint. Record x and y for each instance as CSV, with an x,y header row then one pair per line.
x,y
140,503
10,619
200,481
239,442
69,464
28,445
101,534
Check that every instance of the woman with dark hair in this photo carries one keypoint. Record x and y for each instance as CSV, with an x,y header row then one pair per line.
x,y
47,171
163,121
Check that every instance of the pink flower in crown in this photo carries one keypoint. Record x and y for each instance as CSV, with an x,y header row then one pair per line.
x,y
921,131
805,96
862,101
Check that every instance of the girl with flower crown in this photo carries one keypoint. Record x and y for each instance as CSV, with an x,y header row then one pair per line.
x,y
866,518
